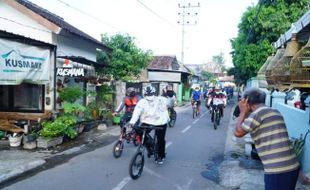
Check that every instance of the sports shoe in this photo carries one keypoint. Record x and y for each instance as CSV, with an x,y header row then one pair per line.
x,y
160,161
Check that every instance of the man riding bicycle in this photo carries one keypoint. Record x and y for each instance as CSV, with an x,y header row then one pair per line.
x,y
196,98
152,110
217,97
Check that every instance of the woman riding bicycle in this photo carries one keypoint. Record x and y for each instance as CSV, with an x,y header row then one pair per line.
x,y
220,97
152,110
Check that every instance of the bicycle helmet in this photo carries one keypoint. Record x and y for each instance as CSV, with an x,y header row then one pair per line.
x,y
149,90
130,91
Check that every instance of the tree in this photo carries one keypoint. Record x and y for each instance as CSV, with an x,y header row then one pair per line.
x,y
260,26
219,60
207,75
126,61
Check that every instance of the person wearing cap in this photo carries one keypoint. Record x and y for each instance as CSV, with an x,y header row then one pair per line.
x,y
129,102
220,97
152,110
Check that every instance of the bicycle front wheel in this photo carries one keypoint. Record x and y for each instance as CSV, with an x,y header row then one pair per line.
x,y
173,118
215,124
118,149
136,165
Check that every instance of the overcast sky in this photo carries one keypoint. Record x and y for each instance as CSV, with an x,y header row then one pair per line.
x,y
154,23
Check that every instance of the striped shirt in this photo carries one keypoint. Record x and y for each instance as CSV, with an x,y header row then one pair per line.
x,y
269,133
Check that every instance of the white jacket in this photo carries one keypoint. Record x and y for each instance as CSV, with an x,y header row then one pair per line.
x,y
152,112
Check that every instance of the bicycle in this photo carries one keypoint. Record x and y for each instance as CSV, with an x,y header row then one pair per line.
x,y
195,110
173,117
137,162
216,116
128,137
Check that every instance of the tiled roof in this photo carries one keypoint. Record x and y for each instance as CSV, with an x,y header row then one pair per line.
x,y
164,63
60,22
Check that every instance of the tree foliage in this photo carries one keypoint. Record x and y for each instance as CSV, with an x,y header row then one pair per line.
x,y
127,59
259,27
219,60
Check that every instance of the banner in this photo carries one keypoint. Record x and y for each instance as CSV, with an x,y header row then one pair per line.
x,y
23,63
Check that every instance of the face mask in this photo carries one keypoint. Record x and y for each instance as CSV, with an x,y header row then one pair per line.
x,y
150,98
132,94
197,90
170,93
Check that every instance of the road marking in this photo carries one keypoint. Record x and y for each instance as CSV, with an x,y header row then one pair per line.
x,y
152,172
195,121
122,184
187,128
168,144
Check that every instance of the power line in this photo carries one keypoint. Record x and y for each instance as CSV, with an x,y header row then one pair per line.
x,y
157,15
89,15
25,25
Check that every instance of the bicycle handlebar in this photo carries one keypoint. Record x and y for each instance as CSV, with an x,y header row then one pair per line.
x,y
147,127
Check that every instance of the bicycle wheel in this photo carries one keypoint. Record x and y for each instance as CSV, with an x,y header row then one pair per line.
x,y
218,118
118,149
194,110
173,119
215,120
136,165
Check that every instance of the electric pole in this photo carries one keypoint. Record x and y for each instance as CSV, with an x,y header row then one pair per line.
x,y
185,14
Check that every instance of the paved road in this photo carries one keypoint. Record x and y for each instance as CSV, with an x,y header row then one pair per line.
x,y
194,150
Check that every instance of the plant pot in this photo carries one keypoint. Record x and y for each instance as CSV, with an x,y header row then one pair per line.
x,y
81,128
29,144
88,125
15,141
49,142
30,137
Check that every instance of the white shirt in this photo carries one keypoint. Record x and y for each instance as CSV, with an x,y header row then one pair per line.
x,y
152,112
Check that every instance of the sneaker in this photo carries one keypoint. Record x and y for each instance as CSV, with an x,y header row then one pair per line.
x,y
160,161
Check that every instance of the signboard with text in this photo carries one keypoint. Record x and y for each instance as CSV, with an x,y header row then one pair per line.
x,y
70,72
23,63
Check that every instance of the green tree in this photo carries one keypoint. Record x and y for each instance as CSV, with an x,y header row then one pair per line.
x,y
126,60
219,60
259,27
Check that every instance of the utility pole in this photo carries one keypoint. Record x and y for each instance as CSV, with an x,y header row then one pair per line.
x,y
185,13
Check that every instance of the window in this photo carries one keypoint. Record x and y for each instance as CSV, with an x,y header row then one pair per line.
x,y
22,98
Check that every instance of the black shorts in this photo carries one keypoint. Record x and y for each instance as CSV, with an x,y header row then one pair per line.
x,y
198,102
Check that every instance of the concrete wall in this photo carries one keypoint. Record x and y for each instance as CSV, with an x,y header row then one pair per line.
x,y
297,122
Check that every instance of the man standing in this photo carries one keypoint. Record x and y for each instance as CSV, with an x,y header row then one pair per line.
x,y
269,133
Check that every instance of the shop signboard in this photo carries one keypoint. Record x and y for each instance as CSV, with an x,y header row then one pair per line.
x,y
23,63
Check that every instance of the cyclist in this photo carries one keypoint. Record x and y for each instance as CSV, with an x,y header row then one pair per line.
x,y
129,102
196,97
152,110
217,95
170,95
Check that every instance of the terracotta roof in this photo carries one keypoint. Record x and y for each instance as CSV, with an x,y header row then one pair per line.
x,y
59,21
164,63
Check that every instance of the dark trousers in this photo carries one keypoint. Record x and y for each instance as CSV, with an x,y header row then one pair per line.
x,y
161,142
283,181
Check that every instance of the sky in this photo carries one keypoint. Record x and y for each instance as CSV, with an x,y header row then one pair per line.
x,y
154,23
